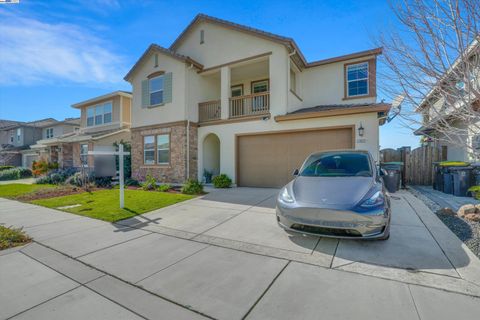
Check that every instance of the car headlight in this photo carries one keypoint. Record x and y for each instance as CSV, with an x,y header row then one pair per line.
x,y
374,201
285,196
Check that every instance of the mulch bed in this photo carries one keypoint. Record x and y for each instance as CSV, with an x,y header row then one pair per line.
x,y
51,193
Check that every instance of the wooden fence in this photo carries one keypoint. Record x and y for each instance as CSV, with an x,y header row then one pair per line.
x,y
418,168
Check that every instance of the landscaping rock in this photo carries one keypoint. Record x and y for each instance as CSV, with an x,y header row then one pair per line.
x,y
447,211
466,209
473,217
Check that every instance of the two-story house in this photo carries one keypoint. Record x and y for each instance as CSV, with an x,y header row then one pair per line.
x,y
450,109
18,136
227,98
103,121
49,132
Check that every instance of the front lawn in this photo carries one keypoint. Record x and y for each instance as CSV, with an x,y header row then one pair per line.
x,y
17,189
12,237
104,204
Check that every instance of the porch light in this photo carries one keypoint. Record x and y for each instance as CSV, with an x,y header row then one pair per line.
x,y
361,130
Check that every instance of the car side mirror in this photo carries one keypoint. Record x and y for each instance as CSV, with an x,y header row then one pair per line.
x,y
295,172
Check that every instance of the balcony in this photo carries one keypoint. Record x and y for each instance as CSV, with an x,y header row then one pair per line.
x,y
250,105
241,106
209,111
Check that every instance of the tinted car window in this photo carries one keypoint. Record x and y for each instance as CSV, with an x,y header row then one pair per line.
x,y
337,165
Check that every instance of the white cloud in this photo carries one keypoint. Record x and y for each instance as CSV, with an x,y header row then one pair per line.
x,y
33,52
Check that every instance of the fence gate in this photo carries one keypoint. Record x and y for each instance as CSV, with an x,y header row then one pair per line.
x,y
418,163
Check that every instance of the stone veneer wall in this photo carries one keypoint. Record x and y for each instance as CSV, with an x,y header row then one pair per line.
x,y
175,172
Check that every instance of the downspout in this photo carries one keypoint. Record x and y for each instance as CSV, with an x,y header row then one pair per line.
x,y
187,168
288,78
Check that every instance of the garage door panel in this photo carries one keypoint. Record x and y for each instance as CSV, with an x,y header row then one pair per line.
x,y
268,160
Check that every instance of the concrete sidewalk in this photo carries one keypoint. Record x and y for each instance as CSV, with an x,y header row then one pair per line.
x,y
223,257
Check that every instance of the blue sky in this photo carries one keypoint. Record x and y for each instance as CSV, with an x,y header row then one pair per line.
x,y
58,52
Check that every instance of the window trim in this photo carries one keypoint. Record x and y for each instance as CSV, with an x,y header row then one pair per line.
x,y
162,90
237,86
154,149
47,136
360,79
157,149
94,107
372,90
252,84
85,165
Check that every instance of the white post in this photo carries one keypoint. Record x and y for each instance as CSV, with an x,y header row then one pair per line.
x,y
120,167
225,92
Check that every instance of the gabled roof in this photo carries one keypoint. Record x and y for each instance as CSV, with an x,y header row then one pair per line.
x,y
102,97
8,123
290,43
156,48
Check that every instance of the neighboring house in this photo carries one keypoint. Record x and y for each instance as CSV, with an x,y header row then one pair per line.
x,y
231,99
49,133
445,113
18,136
104,120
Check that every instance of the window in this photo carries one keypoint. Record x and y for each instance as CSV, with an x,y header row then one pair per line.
x,y
99,114
357,79
293,81
163,149
49,133
11,137
19,134
149,149
337,165
237,90
156,90
259,103
84,154
202,36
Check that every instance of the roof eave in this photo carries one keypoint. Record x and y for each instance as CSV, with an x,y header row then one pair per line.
x,y
385,108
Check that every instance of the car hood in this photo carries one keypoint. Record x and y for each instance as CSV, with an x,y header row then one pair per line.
x,y
339,192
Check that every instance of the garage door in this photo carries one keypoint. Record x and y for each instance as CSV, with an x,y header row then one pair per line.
x,y
268,160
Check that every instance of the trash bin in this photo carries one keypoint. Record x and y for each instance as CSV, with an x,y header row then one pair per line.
x,y
393,176
438,177
447,181
462,180
476,174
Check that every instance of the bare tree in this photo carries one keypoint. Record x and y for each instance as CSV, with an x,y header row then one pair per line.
x,y
433,61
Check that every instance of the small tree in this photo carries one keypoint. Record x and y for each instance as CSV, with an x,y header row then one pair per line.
x,y
433,62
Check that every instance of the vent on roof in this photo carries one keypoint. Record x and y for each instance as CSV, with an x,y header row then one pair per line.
x,y
202,36
156,60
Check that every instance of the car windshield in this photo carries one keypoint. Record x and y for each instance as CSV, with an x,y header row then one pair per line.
x,y
337,165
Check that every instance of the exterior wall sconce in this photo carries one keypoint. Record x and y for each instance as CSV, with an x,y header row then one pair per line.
x,y
361,130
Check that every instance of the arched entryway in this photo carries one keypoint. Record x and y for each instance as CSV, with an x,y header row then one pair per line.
x,y
211,155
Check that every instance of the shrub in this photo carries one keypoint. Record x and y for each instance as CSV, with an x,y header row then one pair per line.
x,y
131,182
222,181
6,167
11,237
103,182
57,176
164,187
15,173
192,187
475,190
150,183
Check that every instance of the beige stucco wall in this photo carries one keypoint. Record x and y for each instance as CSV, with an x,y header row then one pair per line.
x,y
326,84
226,133
169,112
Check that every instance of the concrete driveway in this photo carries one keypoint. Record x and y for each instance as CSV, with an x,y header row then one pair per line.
x,y
223,256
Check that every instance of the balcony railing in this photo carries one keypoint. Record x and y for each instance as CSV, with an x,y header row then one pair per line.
x,y
209,110
253,104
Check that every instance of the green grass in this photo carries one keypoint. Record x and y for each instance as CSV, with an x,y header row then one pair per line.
x,y
104,204
12,237
17,189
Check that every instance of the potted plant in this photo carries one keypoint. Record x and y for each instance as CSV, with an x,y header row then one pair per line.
x,y
208,176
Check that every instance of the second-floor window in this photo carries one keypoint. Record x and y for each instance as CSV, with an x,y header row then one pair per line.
x,y
156,90
357,79
49,133
99,114
19,134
